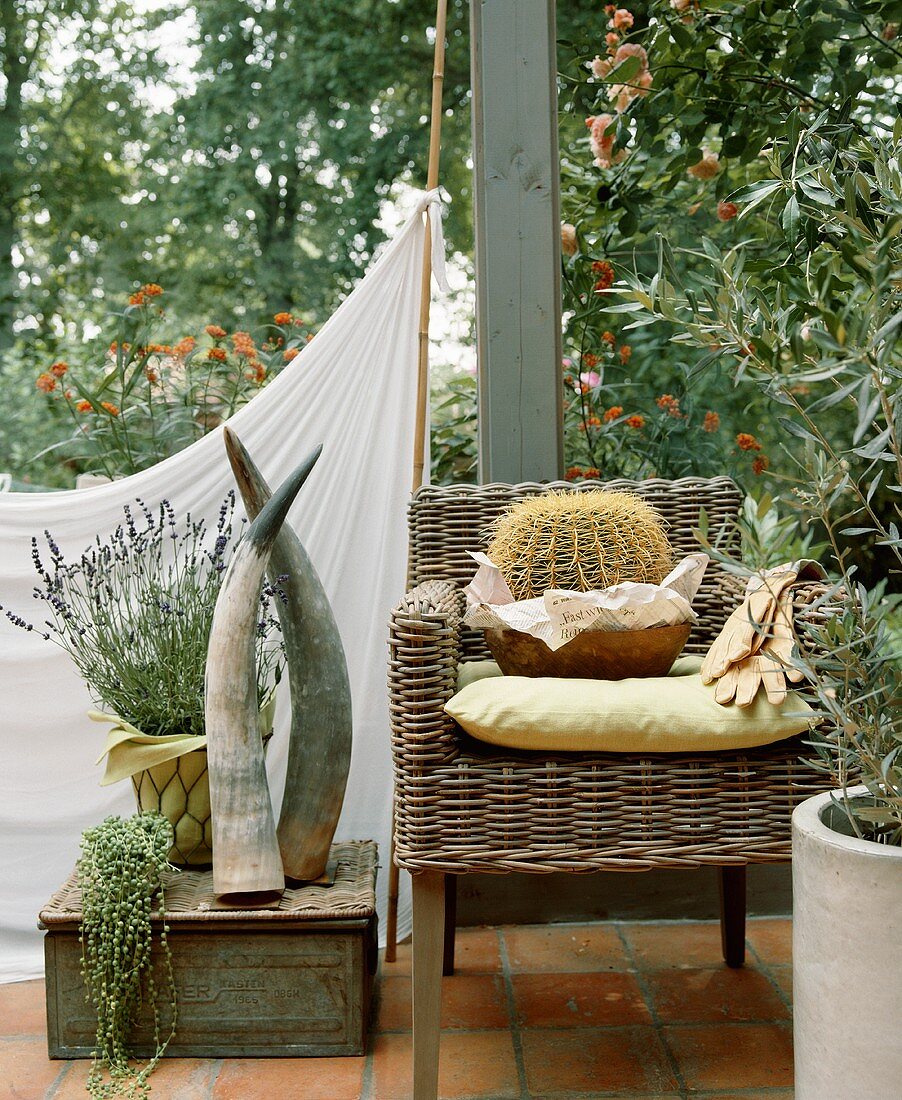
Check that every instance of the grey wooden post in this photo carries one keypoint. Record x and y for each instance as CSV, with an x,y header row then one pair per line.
x,y
518,242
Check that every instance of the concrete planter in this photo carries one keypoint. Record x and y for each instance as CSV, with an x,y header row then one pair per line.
x,y
847,959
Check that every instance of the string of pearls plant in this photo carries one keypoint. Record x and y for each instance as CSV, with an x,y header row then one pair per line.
x,y
120,872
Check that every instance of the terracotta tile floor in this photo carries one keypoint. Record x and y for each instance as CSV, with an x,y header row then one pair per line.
x,y
554,1012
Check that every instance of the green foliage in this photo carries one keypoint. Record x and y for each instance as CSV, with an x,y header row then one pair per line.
x,y
302,118
723,82
816,329
134,614
74,119
120,875
453,428
236,152
770,536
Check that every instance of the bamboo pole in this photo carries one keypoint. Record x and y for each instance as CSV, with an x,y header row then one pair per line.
x,y
435,147
422,402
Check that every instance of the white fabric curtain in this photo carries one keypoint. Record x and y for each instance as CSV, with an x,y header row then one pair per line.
x,y
353,389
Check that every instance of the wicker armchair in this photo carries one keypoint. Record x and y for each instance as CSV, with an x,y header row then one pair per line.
x,y
462,806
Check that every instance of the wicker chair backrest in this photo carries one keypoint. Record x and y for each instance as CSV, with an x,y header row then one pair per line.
x,y
447,521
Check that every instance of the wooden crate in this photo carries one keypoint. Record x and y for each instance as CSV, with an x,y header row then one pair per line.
x,y
291,981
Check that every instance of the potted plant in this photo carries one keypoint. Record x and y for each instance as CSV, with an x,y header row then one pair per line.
x,y
133,612
847,868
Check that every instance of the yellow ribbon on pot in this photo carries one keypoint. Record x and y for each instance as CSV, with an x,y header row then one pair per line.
x,y
129,751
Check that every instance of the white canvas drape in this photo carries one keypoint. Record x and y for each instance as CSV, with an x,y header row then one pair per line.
x,y
353,389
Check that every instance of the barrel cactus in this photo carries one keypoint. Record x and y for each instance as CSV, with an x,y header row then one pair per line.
x,y
579,540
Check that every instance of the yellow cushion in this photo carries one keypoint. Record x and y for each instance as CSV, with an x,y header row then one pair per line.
x,y
675,713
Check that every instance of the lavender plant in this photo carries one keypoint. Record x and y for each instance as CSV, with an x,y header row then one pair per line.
x,y
134,613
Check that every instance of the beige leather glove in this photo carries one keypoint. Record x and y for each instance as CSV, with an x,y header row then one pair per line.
x,y
746,629
770,664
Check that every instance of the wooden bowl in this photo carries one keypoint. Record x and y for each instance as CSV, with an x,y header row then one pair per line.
x,y
592,654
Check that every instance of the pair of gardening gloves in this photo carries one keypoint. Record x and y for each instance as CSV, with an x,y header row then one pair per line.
x,y
756,644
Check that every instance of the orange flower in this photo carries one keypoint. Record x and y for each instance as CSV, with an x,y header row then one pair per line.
x,y
110,408
157,349
215,331
746,442
593,421
136,299
760,464
612,39
219,354
592,471
258,374
636,421
613,412
669,404
59,369
574,473
46,383
712,422
726,211
590,360
290,353
707,168
84,406
243,343
184,347
625,352
605,273
152,290
151,375
608,338
283,318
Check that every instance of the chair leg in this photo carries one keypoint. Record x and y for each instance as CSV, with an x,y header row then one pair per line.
x,y
391,919
732,914
450,924
428,937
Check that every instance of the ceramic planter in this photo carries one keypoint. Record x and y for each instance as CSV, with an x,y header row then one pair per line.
x,y
847,959
179,789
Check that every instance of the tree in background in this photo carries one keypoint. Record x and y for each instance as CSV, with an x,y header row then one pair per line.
x,y
300,120
74,125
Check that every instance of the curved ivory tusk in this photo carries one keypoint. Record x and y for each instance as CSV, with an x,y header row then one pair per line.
x,y
319,750
245,849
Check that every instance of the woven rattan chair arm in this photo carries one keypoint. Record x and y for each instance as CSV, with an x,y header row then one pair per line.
x,y
424,654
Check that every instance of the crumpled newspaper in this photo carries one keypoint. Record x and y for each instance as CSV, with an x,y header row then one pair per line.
x,y
560,614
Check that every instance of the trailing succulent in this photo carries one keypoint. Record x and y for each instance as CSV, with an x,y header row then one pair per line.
x,y
120,873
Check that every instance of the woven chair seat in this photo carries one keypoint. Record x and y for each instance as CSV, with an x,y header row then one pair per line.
x,y
524,811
